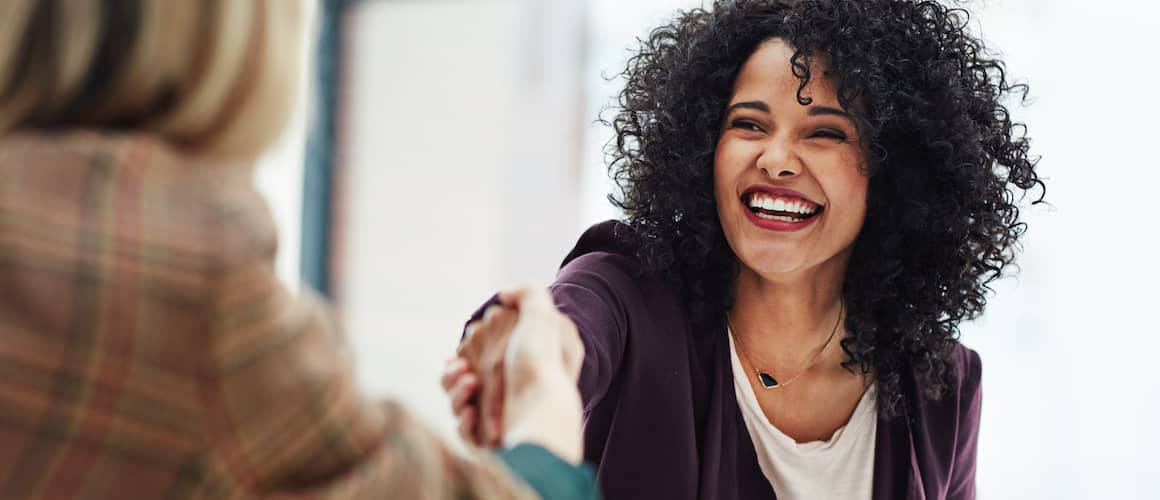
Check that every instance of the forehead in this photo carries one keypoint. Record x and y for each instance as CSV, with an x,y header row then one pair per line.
x,y
768,75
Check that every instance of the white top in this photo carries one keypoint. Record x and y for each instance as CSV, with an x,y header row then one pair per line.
x,y
842,467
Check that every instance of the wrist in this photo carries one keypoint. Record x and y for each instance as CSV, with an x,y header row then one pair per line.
x,y
546,412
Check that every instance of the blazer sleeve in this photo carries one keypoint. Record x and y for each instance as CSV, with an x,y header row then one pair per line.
x,y
962,480
284,416
591,291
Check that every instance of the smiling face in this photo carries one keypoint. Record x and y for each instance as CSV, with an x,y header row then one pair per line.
x,y
791,195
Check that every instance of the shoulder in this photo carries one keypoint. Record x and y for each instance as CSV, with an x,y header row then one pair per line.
x,y
959,405
968,370
604,260
235,213
610,236
963,384
144,196
603,278
214,199
604,248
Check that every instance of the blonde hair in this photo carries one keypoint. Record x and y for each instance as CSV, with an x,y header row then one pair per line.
x,y
212,76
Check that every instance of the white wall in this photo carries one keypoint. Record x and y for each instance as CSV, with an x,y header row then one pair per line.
x,y
1071,396
279,179
614,26
460,144
279,173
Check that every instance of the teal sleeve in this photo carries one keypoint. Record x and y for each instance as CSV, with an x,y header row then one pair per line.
x,y
551,477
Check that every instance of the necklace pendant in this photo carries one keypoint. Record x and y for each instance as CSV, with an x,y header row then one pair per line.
x,y
767,380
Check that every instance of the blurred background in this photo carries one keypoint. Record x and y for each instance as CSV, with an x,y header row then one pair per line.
x,y
448,148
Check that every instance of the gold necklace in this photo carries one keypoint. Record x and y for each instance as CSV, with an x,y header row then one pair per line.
x,y
767,380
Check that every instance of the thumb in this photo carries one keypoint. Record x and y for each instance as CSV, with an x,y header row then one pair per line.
x,y
574,350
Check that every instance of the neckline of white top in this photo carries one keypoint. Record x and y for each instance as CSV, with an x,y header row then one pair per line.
x,y
864,412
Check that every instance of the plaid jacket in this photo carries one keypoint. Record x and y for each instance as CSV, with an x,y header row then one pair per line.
x,y
148,351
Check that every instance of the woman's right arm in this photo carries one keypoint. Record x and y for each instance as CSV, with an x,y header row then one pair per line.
x,y
590,292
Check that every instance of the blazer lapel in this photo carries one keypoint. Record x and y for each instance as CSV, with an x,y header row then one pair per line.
x,y
894,460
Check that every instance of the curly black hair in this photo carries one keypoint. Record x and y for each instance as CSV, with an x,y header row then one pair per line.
x,y
946,163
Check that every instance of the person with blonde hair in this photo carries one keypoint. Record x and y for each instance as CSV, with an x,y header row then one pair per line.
x,y
147,349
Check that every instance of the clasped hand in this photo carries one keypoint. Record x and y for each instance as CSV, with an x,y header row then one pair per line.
x,y
514,377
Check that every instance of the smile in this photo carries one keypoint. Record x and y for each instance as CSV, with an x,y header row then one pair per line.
x,y
781,207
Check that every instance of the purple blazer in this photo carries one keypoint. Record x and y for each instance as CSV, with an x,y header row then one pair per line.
x,y
661,415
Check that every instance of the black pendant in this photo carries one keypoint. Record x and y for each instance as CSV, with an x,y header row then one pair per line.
x,y
767,380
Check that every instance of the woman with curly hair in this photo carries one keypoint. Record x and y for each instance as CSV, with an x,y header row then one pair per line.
x,y
817,193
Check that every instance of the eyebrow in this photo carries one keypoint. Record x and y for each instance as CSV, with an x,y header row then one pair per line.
x,y
826,110
813,111
758,105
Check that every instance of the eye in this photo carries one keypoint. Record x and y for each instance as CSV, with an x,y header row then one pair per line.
x,y
830,134
749,125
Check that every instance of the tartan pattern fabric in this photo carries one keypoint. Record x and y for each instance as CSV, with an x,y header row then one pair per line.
x,y
147,349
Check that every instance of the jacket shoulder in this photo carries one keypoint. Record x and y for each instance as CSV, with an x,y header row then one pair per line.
x,y
605,256
968,369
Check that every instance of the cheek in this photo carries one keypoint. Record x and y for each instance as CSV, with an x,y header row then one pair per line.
x,y
846,180
848,191
845,186
855,186
729,162
723,172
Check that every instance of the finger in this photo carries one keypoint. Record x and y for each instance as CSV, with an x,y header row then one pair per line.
x,y
491,420
452,370
525,296
467,427
491,404
470,329
490,313
496,440
463,393
504,320
494,434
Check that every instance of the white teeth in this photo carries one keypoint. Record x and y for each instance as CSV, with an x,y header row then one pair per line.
x,y
768,202
778,217
760,201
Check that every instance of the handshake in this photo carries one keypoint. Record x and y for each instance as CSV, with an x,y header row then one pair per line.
x,y
514,377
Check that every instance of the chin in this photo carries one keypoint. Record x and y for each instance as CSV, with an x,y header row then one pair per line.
x,y
770,265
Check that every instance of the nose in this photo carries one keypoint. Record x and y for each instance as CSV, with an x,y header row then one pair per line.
x,y
779,160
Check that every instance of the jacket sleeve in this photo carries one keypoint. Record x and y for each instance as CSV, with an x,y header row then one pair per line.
x,y
550,476
962,480
590,290
284,416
